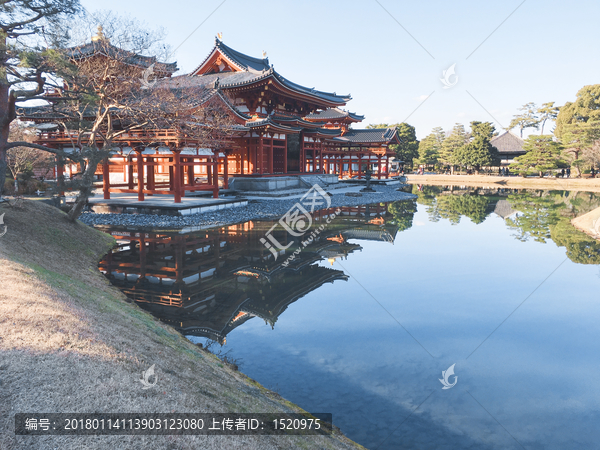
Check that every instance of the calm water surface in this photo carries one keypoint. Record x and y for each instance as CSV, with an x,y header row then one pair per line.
x,y
363,322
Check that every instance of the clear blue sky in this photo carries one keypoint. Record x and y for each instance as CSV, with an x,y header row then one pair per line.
x,y
545,51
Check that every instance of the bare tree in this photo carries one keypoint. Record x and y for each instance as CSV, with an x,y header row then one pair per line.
x,y
21,160
22,61
592,154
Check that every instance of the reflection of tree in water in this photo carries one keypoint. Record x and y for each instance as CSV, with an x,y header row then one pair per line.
x,y
547,215
403,212
580,247
451,205
540,215
536,214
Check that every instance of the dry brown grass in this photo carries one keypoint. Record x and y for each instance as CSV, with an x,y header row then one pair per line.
x,y
569,184
70,342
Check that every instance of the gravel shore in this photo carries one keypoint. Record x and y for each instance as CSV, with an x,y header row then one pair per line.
x,y
256,209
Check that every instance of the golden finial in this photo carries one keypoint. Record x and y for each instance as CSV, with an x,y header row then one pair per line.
x,y
100,35
264,54
220,36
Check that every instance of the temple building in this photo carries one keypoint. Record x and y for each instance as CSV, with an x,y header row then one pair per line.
x,y
282,129
509,147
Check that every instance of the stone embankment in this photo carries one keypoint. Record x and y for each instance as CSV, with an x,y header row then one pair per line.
x,y
258,209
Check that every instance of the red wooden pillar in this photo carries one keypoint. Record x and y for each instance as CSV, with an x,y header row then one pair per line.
x,y
285,156
302,154
142,257
106,179
182,175
260,155
226,171
176,179
189,170
242,161
150,167
350,165
216,175
271,155
320,156
140,175
359,166
250,159
387,166
130,171
379,167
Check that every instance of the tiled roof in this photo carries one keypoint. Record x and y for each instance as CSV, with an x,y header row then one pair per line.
x,y
105,48
367,136
243,62
504,209
331,96
334,113
267,122
254,69
508,143
221,80
323,132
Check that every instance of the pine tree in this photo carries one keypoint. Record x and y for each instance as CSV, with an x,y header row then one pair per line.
x,y
457,139
431,146
543,154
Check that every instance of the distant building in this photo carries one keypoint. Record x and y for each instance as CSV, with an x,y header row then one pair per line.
x,y
504,209
509,147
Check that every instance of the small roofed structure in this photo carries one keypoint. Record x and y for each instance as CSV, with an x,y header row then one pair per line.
x,y
504,209
509,147
335,118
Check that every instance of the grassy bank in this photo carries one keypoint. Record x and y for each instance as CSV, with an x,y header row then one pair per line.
x,y
568,184
70,342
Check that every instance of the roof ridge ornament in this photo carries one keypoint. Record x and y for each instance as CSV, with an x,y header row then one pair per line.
x,y
100,35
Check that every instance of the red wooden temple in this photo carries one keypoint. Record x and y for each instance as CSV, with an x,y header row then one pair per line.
x,y
283,129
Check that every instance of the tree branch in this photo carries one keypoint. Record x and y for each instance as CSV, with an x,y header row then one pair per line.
x,y
39,147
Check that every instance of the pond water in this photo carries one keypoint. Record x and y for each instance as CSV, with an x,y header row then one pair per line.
x,y
362,322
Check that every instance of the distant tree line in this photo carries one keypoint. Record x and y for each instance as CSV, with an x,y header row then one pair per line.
x,y
574,141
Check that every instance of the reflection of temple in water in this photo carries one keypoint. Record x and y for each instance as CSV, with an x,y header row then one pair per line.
x,y
208,283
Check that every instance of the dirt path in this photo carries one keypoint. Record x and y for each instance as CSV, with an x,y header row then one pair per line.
x,y
569,184
70,342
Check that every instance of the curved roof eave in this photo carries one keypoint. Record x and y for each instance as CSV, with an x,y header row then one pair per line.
x,y
331,97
